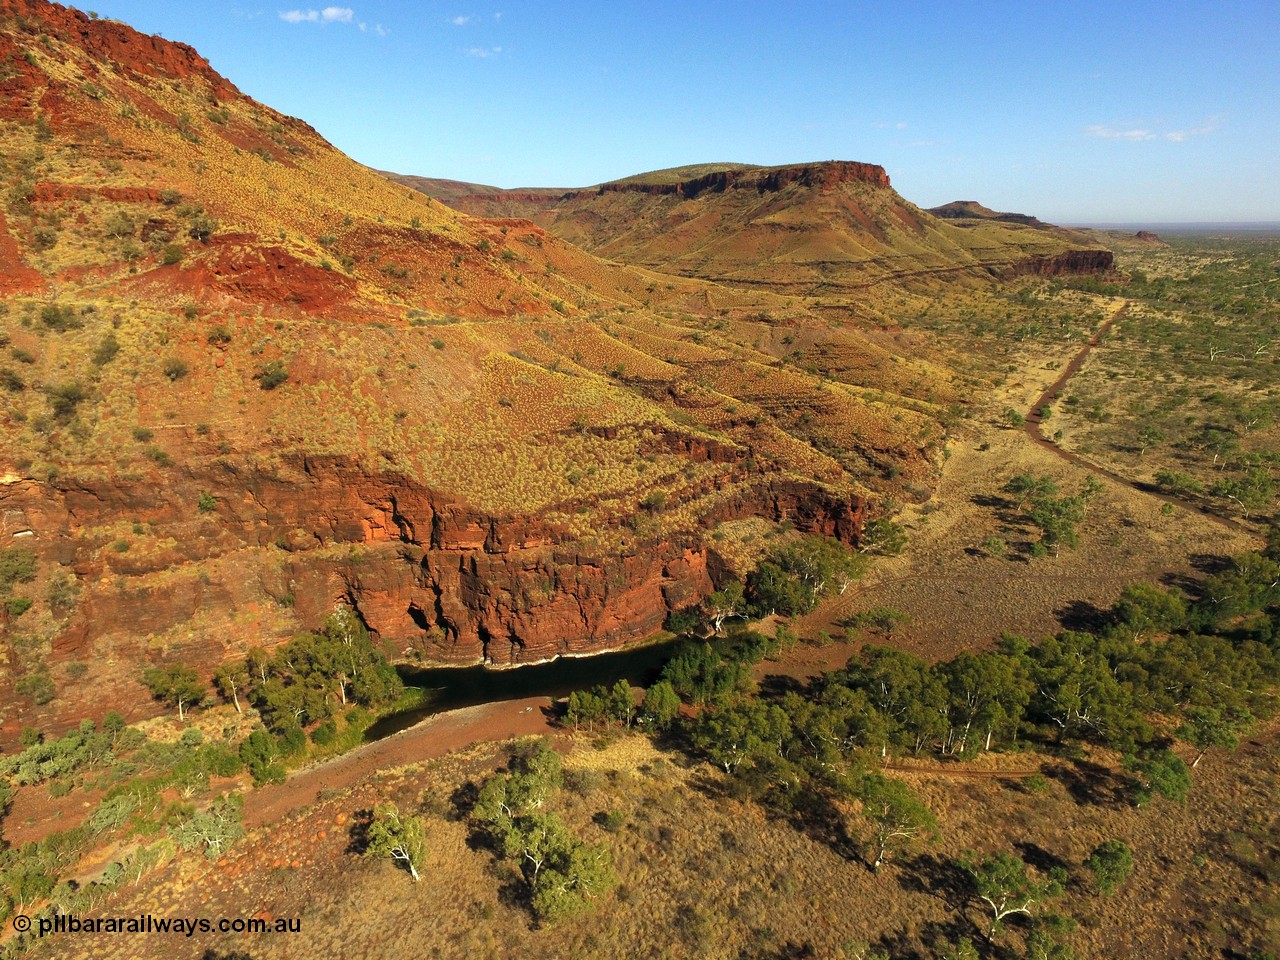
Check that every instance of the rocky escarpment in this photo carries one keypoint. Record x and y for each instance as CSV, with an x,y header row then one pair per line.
x,y
115,42
824,176
1062,264
491,202
426,573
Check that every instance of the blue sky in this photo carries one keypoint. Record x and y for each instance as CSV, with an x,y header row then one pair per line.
x,y
1079,112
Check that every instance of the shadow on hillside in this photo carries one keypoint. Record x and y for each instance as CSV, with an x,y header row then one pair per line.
x,y
991,502
814,816
463,800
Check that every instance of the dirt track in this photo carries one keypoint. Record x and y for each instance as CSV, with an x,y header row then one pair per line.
x,y
1035,430
432,738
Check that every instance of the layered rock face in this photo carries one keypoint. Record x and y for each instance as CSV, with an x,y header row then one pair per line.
x,y
424,572
824,176
1065,263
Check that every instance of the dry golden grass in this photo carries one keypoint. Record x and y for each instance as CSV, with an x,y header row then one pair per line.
x,y
704,875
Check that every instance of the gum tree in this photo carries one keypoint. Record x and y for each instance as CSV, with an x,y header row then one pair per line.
x,y
403,839
1001,882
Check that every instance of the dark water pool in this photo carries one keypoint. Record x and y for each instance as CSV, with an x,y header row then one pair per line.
x,y
450,688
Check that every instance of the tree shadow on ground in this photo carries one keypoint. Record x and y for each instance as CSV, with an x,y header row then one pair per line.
x,y
1037,856
928,941
1210,563
1188,584
1083,616
814,816
991,501
358,832
513,891
1091,783
463,799
788,951
936,876
709,785
774,686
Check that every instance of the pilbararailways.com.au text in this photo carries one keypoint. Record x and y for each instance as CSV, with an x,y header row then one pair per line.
x,y
147,924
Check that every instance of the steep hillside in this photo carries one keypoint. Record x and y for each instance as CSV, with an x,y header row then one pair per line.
x,y
246,378
826,231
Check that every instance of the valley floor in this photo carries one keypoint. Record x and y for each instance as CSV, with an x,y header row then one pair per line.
x,y
704,875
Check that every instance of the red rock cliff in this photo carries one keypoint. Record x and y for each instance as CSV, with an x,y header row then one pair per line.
x,y
824,176
423,571
1067,262
116,43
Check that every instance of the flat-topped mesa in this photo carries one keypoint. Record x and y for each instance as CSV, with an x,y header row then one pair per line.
x,y
825,175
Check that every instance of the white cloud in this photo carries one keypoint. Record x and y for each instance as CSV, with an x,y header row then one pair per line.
x,y
327,15
484,52
1134,132
459,21
1105,132
1206,128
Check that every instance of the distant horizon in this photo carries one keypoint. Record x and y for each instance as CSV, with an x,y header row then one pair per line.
x,y
1168,113
1176,226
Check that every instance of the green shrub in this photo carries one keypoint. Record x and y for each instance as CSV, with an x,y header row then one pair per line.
x,y
65,398
38,686
157,456
324,734
106,351
272,375
60,318
17,565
